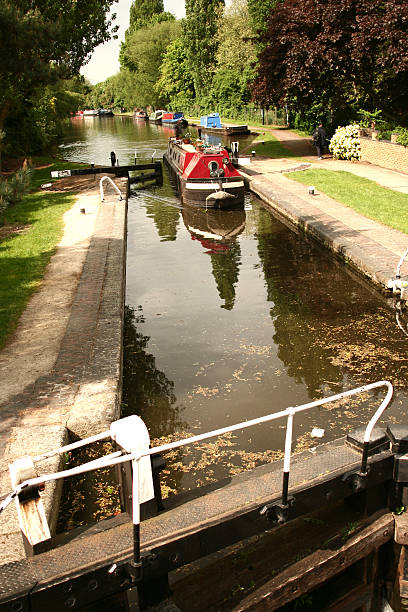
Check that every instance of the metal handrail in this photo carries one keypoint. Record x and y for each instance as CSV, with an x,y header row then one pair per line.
x,y
117,458
108,178
135,457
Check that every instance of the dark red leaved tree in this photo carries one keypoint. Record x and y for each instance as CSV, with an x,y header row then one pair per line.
x,y
340,53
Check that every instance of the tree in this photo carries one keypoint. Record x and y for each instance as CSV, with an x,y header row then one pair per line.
x,y
259,11
175,84
42,41
342,54
199,37
143,14
235,57
144,52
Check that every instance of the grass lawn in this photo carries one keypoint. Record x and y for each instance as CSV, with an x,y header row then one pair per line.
x,y
364,196
26,251
271,147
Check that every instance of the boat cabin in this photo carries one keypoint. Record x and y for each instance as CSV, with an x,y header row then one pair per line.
x,y
211,121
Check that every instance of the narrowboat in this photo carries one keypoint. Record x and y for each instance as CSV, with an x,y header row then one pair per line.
x,y
205,175
212,123
156,116
173,119
105,112
91,112
140,114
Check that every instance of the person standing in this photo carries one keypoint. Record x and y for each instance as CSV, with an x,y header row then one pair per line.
x,y
319,140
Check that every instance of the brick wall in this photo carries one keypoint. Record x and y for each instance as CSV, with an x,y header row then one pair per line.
x,y
385,154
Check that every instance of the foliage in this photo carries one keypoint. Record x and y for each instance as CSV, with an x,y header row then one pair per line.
x,y
13,190
339,53
42,41
367,118
259,11
144,52
402,137
143,14
345,144
235,57
199,38
360,194
175,84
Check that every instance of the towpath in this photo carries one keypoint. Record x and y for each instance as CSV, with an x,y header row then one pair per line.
x,y
61,369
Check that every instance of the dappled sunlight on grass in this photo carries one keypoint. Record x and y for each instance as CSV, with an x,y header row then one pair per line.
x,y
360,194
25,255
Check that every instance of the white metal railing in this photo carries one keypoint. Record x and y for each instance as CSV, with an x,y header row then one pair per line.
x,y
116,188
396,284
134,440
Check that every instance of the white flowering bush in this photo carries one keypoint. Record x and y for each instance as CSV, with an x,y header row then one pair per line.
x,y
345,144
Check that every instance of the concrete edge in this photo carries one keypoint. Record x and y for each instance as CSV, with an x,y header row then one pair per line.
x,y
97,401
284,203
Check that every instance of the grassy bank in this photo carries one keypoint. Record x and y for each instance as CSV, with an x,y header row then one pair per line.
x,y
267,145
360,194
29,238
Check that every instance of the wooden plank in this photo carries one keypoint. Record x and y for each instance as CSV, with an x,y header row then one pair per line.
x,y
310,572
401,529
106,170
31,513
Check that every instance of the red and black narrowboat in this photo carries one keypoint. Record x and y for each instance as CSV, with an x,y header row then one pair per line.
x,y
205,175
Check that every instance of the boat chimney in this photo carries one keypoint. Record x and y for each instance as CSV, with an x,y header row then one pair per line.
x,y
234,152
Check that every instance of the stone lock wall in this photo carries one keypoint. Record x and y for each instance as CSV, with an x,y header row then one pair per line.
x,y
384,153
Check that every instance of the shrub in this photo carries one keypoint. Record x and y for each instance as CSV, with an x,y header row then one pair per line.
x,y
402,136
13,190
345,144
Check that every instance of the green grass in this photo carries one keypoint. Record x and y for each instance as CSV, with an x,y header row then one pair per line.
x,y
24,257
271,147
360,194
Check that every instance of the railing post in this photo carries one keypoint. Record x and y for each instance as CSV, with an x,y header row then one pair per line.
x,y
286,460
136,563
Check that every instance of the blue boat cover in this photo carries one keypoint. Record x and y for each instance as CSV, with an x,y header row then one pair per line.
x,y
211,121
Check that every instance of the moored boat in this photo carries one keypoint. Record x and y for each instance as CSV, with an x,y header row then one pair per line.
x,y
212,123
173,119
140,114
156,116
105,112
206,176
91,112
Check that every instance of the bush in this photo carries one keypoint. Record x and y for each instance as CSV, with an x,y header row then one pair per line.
x,y
345,144
402,136
13,190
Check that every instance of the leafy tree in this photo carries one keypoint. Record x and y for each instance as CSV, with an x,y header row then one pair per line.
x,y
143,14
235,58
40,42
258,11
199,37
175,84
144,51
353,52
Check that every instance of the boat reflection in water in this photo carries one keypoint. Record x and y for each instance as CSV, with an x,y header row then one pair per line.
x,y
217,230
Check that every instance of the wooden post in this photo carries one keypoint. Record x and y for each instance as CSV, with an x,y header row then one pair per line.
x,y
30,509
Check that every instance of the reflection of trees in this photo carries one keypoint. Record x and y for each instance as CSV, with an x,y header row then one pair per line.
x,y
147,392
166,218
315,306
225,267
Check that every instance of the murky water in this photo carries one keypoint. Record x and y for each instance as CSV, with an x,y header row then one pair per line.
x,y
232,315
